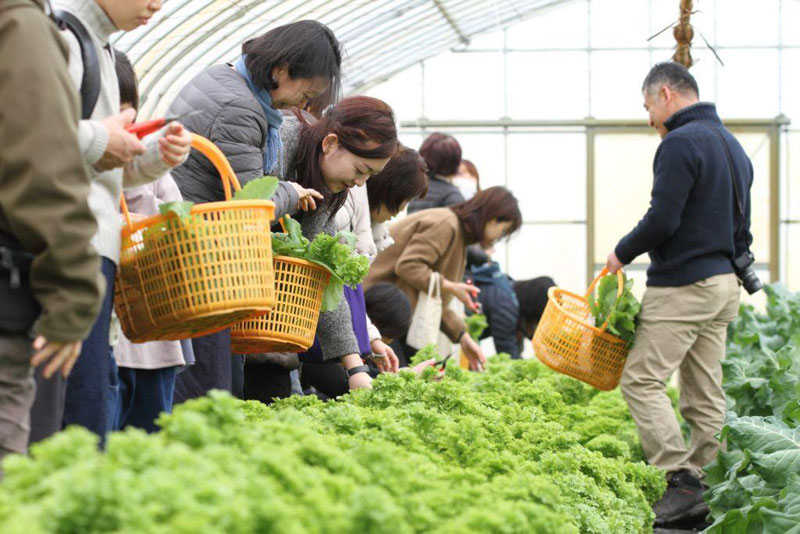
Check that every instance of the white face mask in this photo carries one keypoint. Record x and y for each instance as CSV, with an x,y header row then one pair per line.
x,y
467,186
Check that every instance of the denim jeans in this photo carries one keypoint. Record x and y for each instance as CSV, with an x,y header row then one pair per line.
x,y
113,400
144,394
92,386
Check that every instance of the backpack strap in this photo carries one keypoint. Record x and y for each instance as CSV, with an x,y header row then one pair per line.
x,y
90,83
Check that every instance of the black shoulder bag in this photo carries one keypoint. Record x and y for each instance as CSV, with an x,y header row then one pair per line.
x,y
18,307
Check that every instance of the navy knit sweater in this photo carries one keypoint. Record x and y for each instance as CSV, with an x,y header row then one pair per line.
x,y
689,230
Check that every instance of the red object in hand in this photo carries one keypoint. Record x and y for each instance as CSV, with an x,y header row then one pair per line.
x,y
141,129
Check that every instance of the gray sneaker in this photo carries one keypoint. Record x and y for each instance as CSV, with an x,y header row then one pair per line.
x,y
682,503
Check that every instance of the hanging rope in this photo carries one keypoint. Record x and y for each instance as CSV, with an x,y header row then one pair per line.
x,y
684,33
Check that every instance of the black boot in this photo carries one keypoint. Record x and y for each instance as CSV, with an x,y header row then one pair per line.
x,y
682,503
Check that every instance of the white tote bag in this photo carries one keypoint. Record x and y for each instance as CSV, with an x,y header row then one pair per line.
x,y
427,317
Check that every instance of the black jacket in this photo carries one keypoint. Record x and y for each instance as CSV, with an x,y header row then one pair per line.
x,y
441,194
500,306
689,230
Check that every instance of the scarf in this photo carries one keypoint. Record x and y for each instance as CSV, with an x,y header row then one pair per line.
x,y
274,117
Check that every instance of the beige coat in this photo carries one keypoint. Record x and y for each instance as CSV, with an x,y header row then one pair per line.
x,y
428,241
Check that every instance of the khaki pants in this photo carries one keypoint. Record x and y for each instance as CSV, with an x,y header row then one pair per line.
x,y
684,329
16,393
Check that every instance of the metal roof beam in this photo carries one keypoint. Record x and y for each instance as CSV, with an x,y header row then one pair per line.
x,y
450,21
380,37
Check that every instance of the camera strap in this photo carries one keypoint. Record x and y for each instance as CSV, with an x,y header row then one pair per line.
x,y
731,167
737,195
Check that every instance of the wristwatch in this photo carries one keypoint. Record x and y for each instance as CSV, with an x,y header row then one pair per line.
x,y
357,369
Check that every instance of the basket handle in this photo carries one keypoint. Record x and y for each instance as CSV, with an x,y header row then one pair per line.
x,y
123,205
620,287
216,156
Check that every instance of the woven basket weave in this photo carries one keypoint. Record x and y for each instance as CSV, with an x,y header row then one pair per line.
x,y
566,341
292,324
182,278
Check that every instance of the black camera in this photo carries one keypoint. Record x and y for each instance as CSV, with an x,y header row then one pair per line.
x,y
742,265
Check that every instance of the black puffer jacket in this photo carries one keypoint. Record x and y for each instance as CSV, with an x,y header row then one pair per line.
x,y
441,194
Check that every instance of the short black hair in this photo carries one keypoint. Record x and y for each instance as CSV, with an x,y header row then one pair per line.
x,y
403,179
307,47
532,297
126,77
389,309
672,74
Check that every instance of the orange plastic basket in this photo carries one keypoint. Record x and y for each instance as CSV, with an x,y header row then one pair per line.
x,y
291,325
566,341
186,278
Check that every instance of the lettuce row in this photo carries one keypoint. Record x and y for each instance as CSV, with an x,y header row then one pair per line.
x,y
518,449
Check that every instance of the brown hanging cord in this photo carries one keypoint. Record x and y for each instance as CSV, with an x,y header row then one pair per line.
x,y
683,33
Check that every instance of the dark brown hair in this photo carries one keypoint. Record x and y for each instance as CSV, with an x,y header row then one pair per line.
x,y
126,77
493,203
307,47
356,121
473,171
441,153
404,178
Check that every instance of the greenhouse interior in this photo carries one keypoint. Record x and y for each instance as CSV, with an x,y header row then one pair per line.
x,y
380,266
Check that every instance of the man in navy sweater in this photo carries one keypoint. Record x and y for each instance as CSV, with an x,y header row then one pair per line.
x,y
695,227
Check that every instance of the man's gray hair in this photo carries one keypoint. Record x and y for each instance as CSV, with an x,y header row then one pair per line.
x,y
674,75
